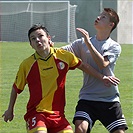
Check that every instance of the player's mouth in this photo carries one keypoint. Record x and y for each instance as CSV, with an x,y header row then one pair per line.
x,y
96,21
39,44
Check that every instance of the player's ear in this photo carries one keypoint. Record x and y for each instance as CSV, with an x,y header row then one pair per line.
x,y
49,38
112,24
31,44
50,42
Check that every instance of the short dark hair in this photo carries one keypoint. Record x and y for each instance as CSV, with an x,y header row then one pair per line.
x,y
36,27
113,16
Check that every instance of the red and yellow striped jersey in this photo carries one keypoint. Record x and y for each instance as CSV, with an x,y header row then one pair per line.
x,y
46,80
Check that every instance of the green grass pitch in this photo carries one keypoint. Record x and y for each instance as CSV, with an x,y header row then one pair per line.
x,y
11,55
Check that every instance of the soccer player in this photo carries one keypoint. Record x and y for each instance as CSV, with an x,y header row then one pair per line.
x,y
96,101
45,73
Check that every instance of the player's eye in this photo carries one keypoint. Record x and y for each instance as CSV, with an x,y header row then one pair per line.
x,y
41,35
33,39
103,16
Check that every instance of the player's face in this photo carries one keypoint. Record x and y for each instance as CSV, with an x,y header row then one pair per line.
x,y
103,21
39,40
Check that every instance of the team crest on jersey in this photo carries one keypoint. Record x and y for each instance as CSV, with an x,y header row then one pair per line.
x,y
61,65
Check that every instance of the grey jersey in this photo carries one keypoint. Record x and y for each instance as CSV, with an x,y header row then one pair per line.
x,y
94,89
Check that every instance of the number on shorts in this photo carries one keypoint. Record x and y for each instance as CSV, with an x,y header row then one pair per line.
x,y
33,121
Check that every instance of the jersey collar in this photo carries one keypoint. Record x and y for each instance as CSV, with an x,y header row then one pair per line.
x,y
37,56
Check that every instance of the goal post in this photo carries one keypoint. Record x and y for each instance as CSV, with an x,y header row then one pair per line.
x,y
16,17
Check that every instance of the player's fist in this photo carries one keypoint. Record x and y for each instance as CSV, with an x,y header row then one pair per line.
x,y
8,116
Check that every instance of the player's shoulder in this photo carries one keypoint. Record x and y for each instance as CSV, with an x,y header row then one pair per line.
x,y
78,41
62,53
115,43
112,41
28,60
115,46
61,50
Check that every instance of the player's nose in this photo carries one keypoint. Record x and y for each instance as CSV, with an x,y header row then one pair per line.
x,y
98,17
37,39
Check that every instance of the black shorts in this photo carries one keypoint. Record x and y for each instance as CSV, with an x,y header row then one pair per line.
x,y
109,114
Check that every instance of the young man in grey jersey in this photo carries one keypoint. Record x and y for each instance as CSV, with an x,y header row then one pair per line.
x,y
96,101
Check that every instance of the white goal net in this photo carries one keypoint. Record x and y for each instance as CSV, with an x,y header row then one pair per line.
x,y
16,17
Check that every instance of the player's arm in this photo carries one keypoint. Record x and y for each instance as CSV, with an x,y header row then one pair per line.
x,y
108,80
8,115
101,61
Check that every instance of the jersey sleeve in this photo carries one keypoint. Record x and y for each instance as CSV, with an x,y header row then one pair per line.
x,y
20,80
75,47
74,61
113,52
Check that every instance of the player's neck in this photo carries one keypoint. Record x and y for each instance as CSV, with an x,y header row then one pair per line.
x,y
101,36
44,54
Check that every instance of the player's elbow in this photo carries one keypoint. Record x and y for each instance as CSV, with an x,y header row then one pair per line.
x,y
103,65
82,66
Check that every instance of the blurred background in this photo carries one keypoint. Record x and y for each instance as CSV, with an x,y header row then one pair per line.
x,y
82,14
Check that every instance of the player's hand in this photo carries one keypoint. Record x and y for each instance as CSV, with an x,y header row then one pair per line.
x,y
110,80
51,43
85,34
8,116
